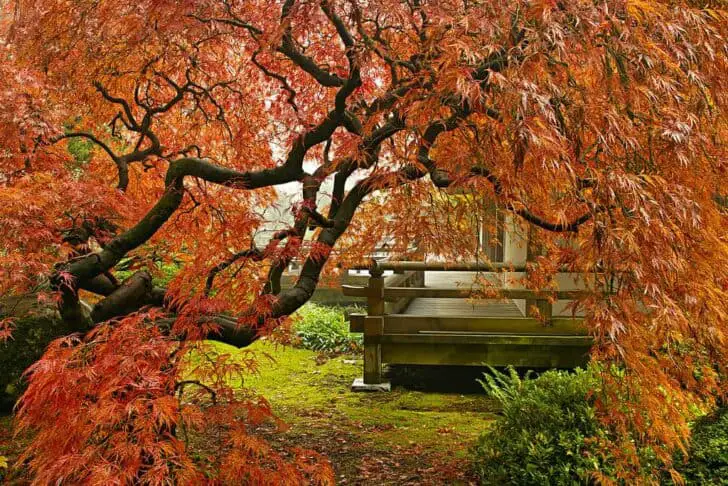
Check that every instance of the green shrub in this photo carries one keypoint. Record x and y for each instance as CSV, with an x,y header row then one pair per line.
x,y
34,326
708,455
323,328
542,436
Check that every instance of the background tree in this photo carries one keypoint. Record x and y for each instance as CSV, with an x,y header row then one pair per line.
x,y
599,123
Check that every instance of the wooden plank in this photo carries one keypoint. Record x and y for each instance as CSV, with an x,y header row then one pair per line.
x,y
398,280
530,356
375,292
545,310
397,307
405,279
443,266
356,322
408,279
373,330
459,280
395,293
372,363
373,326
355,291
392,294
459,267
411,324
404,323
485,338
463,308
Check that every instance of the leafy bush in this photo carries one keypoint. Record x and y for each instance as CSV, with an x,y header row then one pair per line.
x,y
548,433
34,325
543,436
708,454
323,328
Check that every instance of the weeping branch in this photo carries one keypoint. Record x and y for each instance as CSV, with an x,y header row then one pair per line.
x,y
88,271
442,180
253,254
87,268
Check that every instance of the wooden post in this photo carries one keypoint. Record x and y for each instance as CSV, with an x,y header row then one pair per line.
x,y
545,309
374,327
534,249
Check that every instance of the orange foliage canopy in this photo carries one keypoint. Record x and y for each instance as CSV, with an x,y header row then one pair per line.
x,y
600,123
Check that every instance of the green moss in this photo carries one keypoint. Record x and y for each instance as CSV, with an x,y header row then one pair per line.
x,y
312,397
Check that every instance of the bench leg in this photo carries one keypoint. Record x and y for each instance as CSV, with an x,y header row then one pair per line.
x,y
373,380
373,331
372,364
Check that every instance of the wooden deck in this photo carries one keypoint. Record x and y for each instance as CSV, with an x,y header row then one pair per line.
x,y
424,306
425,316
437,307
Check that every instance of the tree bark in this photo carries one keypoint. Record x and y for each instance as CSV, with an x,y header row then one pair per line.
x,y
133,294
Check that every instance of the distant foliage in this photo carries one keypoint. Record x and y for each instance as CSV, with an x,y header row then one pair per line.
x,y
708,455
322,328
161,272
549,432
81,150
23,340
3,466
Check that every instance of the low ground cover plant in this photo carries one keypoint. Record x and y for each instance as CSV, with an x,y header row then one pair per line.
x,y
325,329
548,434
707,462
542,436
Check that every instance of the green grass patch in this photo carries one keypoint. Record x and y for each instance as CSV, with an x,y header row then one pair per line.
x,y
311,392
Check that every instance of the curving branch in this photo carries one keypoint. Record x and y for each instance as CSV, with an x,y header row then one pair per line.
x,y
130,120
143,128
291,170
524,213
134,293
285,85
253,254
346,38
322,76
121,162
320,220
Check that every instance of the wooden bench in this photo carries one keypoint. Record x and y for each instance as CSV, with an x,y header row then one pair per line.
x,y
391,336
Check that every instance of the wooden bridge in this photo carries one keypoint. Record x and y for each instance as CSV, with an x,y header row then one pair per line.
x,y
425,314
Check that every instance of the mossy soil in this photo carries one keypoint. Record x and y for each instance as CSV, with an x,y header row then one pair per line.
x,y
406,436
410,435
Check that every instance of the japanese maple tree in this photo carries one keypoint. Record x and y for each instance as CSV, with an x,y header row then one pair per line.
x,y
601,124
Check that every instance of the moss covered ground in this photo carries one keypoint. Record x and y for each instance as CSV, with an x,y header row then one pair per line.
x,y
406,436
411,435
